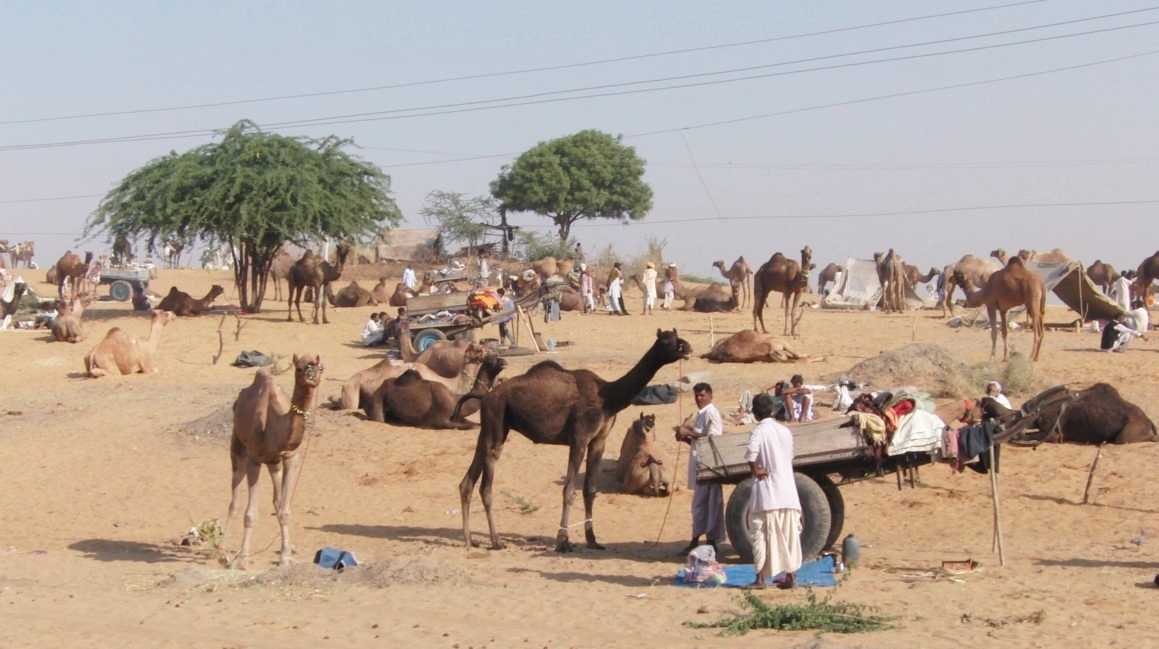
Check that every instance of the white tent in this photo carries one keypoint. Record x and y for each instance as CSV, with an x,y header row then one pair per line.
x,y
859,288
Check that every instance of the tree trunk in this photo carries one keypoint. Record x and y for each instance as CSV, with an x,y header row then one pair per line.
x,y
564,223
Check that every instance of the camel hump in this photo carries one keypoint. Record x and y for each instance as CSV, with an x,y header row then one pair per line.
x,y
410,376
546,365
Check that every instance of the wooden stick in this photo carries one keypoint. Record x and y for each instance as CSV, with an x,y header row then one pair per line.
x,y
220,341
711,332
1091,474
998,541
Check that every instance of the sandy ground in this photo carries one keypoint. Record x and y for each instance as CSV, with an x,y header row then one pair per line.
x,y
97,477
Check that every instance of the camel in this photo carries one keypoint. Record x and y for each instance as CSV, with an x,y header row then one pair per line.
x,y
172,249
975,269
1147,273
891,274
738,276
269,429
70,269
913,276
447,357
715,299
1103,275
411,400
122,251
400,295
451,364
120,353
545,267
9,308
183,304
1100,415
380,294
782,274
66,326
1050,257
309,272
280,270
1005,289
638,470
352,295
573,408
828,274
748,346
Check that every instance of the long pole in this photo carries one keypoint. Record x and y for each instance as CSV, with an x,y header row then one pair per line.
x,y
997,510
1091,475
676,463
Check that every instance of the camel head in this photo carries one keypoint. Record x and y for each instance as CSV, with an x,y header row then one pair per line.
x,y
807,259
215,291
493,364
877,257
999,254
646,423
1026,255
343,250
718,264
163,317
308,369
475,353
671,346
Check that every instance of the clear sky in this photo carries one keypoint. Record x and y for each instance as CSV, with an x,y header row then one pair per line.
x,y
1081,136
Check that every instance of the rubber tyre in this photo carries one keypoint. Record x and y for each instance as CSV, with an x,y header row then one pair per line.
x,y
836,509
427,337
814,507
121,290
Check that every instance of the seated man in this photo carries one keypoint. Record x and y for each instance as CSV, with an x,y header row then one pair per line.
x,y
391,328
994,391
372,331
798,400
1118,333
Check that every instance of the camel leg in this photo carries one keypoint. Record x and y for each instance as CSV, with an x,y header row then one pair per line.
x,y
595,455
253,471
322,300
575,457
485,454
289,302
237,462
1005,332
990,313
758,311
276,478
376,409
289,484
489,462
298,291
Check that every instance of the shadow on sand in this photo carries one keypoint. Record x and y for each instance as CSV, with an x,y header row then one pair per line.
x,y
111,550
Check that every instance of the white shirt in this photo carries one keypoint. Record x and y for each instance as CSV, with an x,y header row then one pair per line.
x,y
408,278
1140,319
771,448
614,288
1001,398
708,422
1121,292
650,281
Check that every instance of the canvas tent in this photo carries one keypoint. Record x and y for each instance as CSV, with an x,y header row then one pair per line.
x,y
403,244
1070,283
858,288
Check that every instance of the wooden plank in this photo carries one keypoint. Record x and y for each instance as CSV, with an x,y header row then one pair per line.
x,y
813,443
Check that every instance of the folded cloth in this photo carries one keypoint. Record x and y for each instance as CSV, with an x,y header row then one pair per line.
x,y
870,425
654,395
252,359
917,432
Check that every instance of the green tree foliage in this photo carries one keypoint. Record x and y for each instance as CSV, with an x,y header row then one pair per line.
x,y
586,175
253,191
534,246
460,218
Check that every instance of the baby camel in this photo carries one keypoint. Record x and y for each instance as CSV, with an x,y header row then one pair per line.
x,y
120,353
66,327
268,429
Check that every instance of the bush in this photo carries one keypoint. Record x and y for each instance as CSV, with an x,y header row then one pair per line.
x,y
834,617
538,246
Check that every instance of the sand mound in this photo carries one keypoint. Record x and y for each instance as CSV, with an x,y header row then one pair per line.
x,y
927,366
218,424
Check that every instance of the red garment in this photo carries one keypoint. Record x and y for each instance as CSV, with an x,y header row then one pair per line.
x,y
903,407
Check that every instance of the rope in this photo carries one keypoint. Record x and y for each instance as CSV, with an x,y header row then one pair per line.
x,y
676,463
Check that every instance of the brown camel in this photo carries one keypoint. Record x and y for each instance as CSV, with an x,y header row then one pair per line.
x,y
120,353
352,295
748,346
975,269
67,327
638,470
447,357
9,308
782,274
828,274
380,294
443,359
1147,273
1100,415
715,299
738,275
913,276
400,295
1010,287
183,304
269,429
411,400
70,269
573,408
280,271
1103,275
317,275
891,275
1050,257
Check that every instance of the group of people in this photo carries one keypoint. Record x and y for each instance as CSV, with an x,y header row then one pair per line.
x,y
380,328
614,290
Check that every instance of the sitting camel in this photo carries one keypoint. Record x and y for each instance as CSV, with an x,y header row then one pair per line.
x,y
1010,287
439,361
183,304
572,408
1100,415
447,357
715,299
66,326
411,400
748,346
120,353
638,470
380,294
352,295
269,429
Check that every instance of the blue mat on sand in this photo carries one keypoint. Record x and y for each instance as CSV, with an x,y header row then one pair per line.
x,y
816,574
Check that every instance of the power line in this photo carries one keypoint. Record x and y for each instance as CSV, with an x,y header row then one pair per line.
x,y
46,199
699,176
520,71
472,106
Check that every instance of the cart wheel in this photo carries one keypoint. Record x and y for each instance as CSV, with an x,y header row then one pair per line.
x,y
427,337
121,290
814,508
836,508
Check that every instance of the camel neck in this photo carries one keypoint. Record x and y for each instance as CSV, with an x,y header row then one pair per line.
x,y
154,335
619,393
300,405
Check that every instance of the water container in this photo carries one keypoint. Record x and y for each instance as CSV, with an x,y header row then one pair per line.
x,y
850,551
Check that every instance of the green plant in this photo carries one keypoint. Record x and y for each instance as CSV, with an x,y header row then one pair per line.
x,y
537,246
824,616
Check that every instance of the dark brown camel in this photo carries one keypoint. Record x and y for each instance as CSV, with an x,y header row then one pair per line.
x,y
71,269
782,274
410,400
828,274
715,299
352,295
183,304
1103,275
1148,272
891,275
738,276
1005,289
551,405
310,272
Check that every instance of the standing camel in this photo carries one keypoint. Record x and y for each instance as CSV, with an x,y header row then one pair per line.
x,y
738,276
975,269
828,274
782,274
1103,275
551,405
280,271
268,429
70,269
1005,289
309,272
891,275
1148,272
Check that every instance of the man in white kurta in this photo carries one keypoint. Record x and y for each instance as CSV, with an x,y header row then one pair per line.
x,y
774,507
649,281
707,499
409,280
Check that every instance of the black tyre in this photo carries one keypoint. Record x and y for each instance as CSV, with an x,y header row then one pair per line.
x,y
814,508
836,509
121,290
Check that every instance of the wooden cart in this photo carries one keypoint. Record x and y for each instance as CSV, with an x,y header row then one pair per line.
x,y
432,318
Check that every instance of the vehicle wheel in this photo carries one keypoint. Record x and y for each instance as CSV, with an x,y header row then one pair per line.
x,y
121,290
814,509
427,337
836,509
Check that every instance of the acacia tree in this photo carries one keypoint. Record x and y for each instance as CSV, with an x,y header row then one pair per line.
x,y
586,175
460,217
252,191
